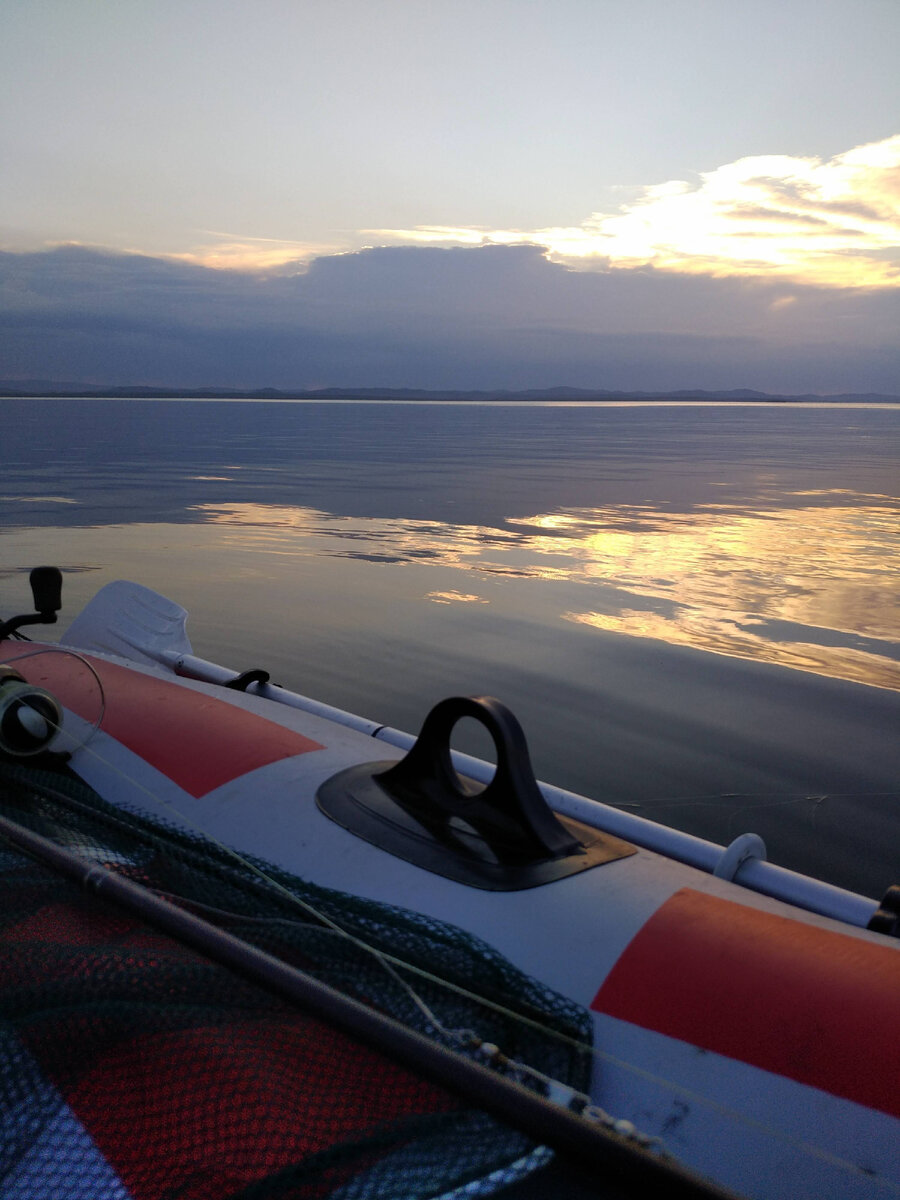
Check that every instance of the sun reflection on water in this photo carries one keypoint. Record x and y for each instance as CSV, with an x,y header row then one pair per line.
x,y
803,587
804,584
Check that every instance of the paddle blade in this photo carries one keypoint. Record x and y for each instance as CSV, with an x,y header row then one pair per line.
x,y
131,621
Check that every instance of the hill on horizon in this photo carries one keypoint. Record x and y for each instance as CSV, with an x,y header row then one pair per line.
x,y
74,390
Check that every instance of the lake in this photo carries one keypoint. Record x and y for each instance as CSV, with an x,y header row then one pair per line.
x,y
690,607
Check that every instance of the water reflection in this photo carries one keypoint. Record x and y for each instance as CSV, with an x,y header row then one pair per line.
x,y
806,584
454,598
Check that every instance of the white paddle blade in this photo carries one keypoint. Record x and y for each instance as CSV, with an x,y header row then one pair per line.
x,y
131,621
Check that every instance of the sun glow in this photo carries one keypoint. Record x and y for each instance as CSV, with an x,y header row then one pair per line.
x,y
230,252
833,222
828,222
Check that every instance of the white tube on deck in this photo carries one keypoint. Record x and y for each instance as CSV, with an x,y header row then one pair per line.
x,y
756,874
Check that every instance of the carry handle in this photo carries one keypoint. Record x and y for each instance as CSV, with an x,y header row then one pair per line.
x,y
510,813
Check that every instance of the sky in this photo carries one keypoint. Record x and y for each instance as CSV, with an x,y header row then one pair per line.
x,y
651,195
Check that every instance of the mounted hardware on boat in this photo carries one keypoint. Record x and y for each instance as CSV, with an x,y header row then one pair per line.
x,y
502,837
46,588
886,918
241,682
29,716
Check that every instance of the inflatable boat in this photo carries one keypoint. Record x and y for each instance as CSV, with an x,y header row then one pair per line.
x,y
740,1020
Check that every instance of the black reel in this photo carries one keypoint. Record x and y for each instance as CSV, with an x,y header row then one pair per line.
x,y
46,589
29,716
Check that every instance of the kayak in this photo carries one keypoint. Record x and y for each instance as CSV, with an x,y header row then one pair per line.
x,y
741,1017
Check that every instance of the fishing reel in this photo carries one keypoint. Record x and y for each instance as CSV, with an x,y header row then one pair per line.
x,y
29,716
46,588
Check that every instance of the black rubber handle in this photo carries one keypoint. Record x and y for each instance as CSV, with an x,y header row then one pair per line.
x,y
510,813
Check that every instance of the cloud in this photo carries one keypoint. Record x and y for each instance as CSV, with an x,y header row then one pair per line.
x,y
479,317
233,252
824,222
833,222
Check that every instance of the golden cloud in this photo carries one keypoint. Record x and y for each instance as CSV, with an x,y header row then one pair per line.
x,y
832,222
230,252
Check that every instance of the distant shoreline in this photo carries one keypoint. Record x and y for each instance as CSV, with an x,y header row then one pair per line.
x,y
49,391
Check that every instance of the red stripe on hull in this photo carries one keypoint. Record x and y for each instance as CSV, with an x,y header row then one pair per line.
x,y
804,1002
199,742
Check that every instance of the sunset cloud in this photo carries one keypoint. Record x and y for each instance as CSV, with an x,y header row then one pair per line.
x,y
795,220
231,252
833,222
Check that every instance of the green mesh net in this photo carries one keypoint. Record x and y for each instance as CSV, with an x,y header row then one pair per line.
x,y
131,1067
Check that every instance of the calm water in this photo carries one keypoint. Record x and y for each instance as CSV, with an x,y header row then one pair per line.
x,y
691,608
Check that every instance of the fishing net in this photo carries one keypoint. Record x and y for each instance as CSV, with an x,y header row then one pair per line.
x,y
132,1068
